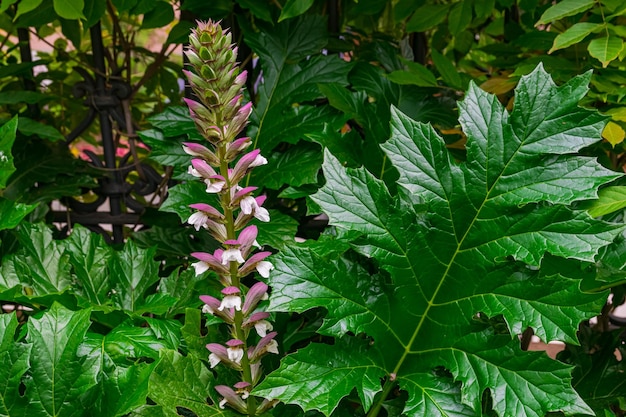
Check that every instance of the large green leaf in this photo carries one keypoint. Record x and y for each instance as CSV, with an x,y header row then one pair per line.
x,y
297,166
184,382
45,172
463,245
282,112
133,271
302,372
89,257
42,263
122,384
60,378
14,358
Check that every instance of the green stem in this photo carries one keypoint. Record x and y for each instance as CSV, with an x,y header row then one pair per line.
x,y
389,384
239,331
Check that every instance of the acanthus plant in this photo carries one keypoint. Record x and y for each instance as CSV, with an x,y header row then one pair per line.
x,y
220,116
428,288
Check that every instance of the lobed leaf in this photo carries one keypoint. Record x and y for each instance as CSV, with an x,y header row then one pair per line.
x,y
184,382
60,378
464,248
14,358
133,271
290,79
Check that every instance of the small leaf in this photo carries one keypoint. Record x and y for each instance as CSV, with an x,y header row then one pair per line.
x,y
613,133
24,96
427,17
93,10
294,8
278,232
283,112
4,5
563,9
122,385
26,6
30,127
182,195
12,214
180,32
192,333
416,74
174,121
160,15
610,200
69,9
605,49
131,342
460,17
446,68
7,137
258,8
572,35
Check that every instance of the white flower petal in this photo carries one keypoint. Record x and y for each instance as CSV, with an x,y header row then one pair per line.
x,y
262,327
198,220
200,267
264,268
192,171
262,214
231,301
232,255
214,360
272,347
248,205
235,354
258,161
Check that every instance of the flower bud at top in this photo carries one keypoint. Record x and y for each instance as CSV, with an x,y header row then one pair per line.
x,y
216,82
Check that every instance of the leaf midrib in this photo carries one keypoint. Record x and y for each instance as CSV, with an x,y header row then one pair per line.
x,y
430,302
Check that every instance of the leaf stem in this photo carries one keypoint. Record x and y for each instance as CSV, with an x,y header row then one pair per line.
x,y
387,387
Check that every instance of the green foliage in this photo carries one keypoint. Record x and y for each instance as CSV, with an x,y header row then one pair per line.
x,y
7,137
444,244
459,243
184,382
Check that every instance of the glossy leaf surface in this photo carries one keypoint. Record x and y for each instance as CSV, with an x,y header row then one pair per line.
x,y
60,378
184,382
459,248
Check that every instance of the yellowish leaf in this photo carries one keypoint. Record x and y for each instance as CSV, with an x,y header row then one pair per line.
x,y
613,133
